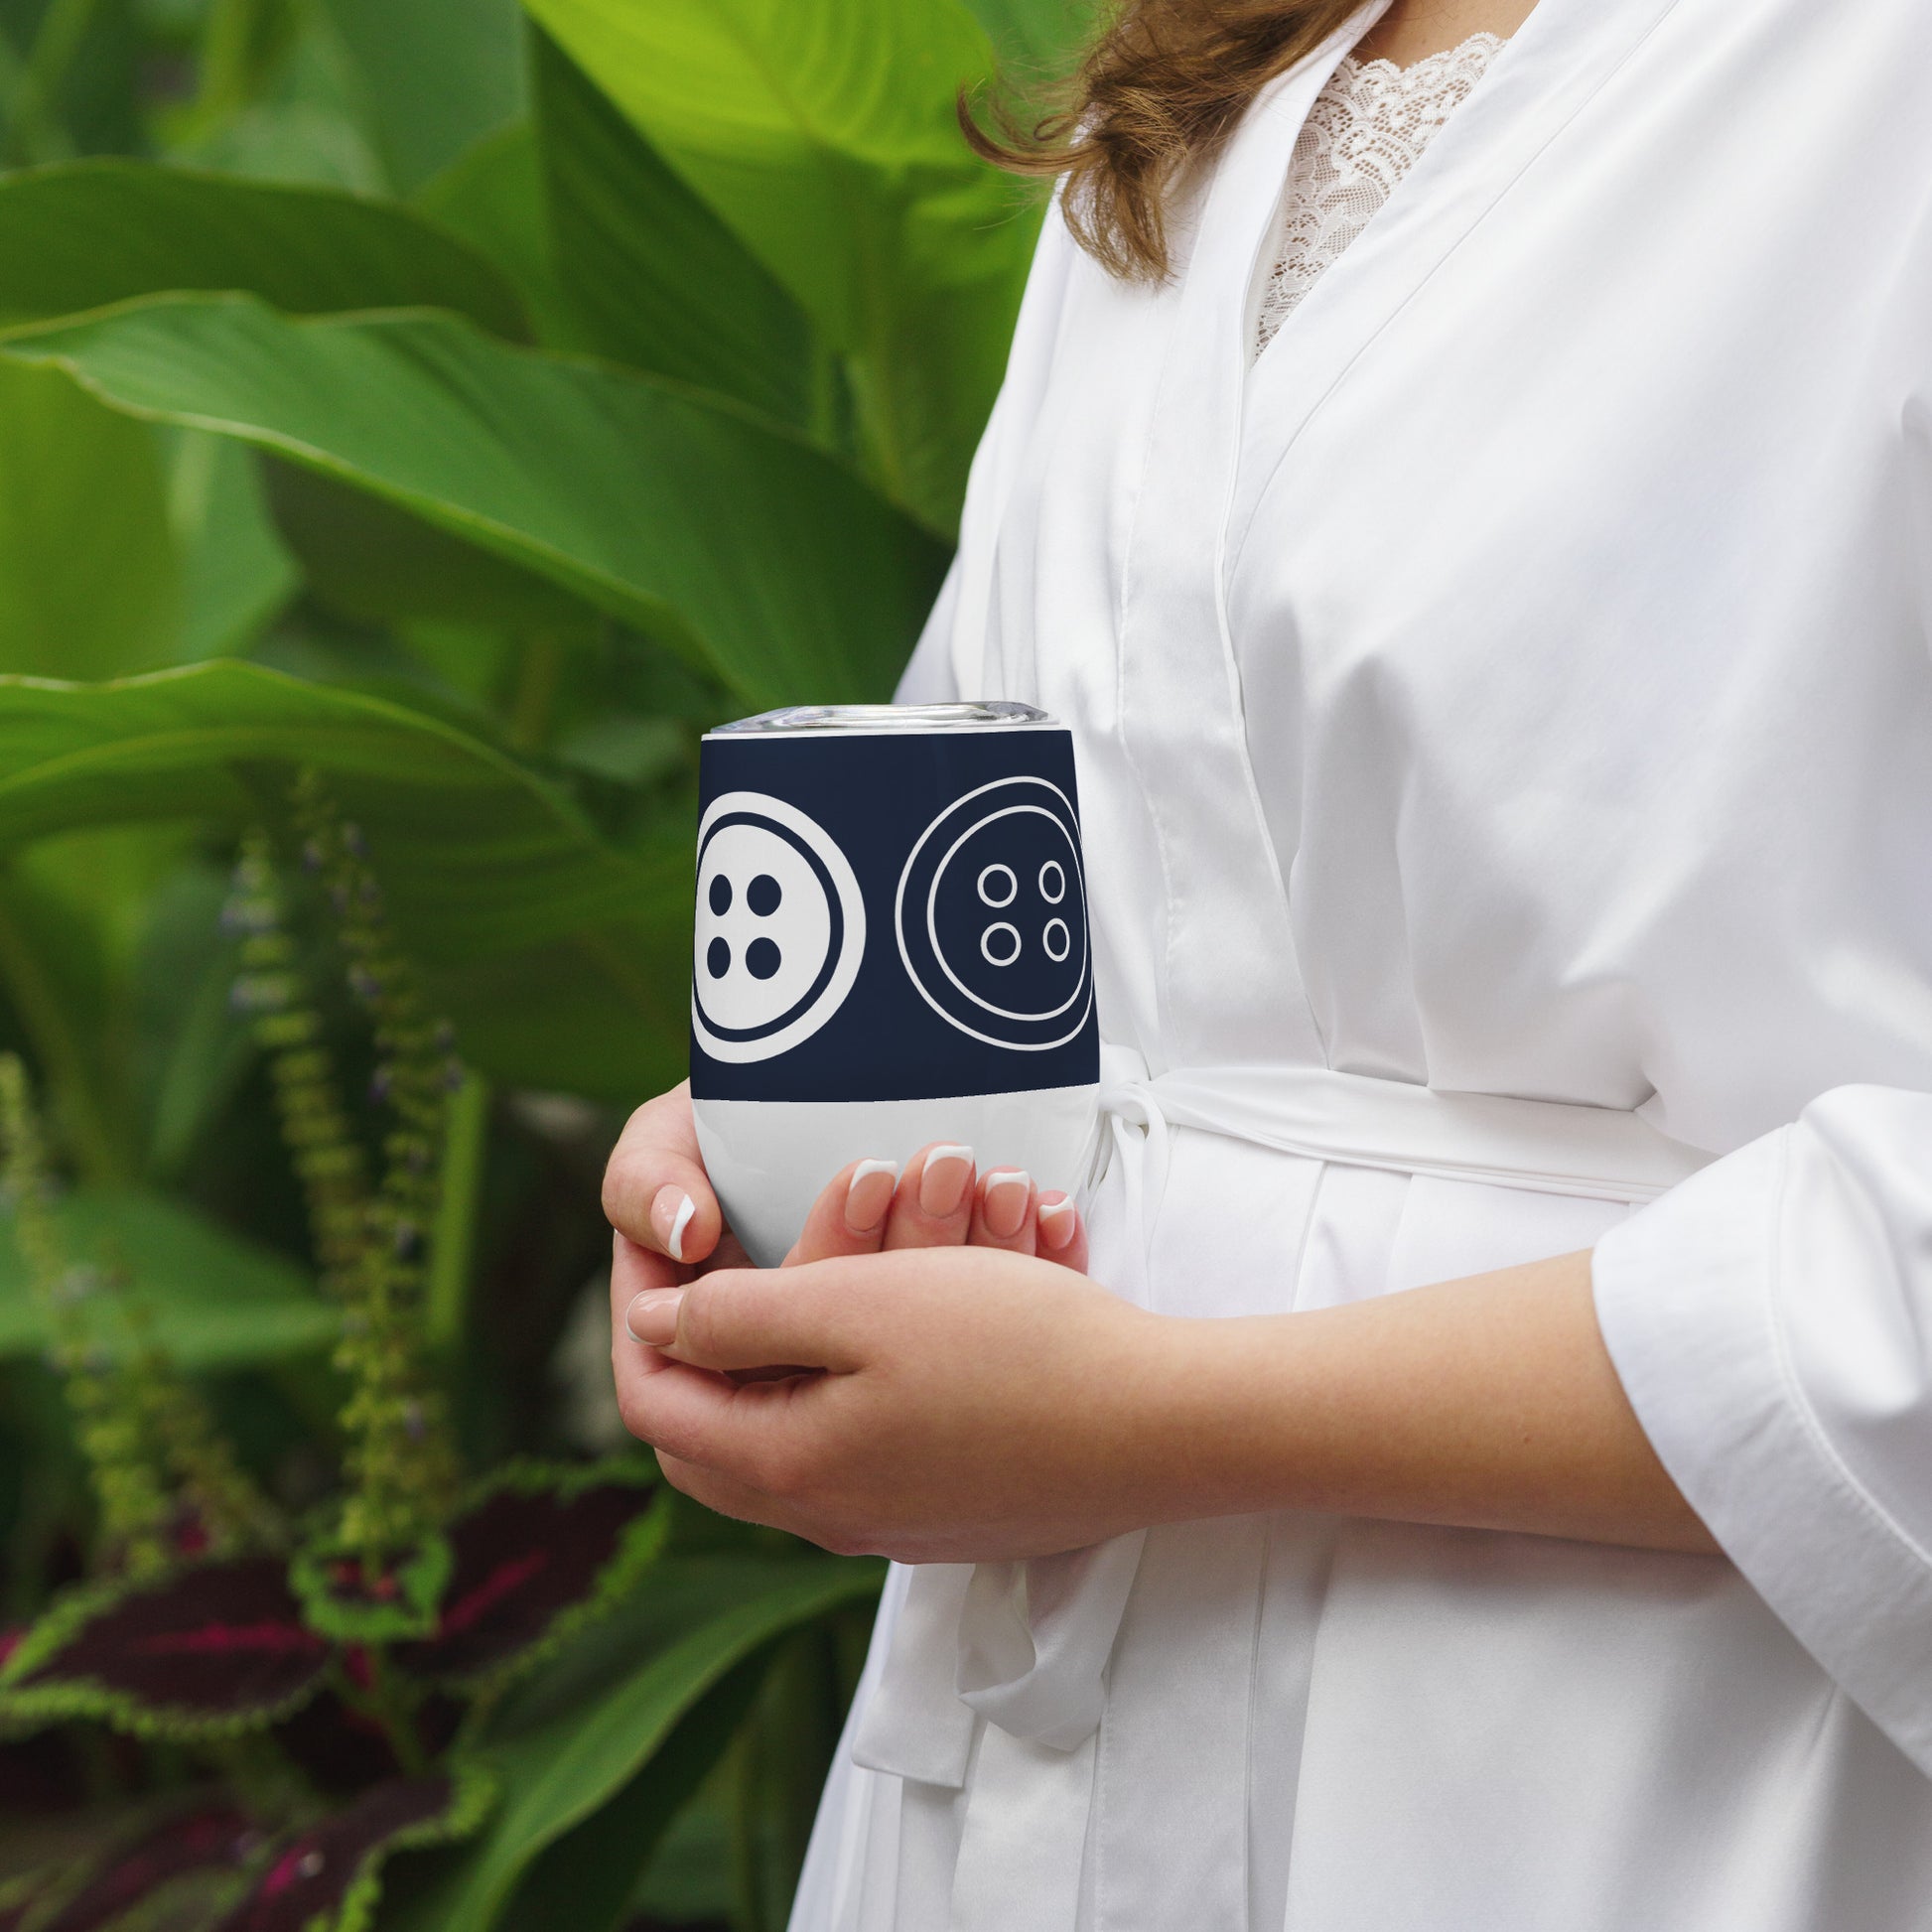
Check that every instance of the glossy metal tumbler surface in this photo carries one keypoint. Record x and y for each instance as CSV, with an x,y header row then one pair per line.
x,y
892,948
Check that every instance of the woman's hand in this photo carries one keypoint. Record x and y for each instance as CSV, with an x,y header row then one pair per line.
x,y
899,1390
658,1199
948,1403
869,1208
954,1404
669,1231
657,1195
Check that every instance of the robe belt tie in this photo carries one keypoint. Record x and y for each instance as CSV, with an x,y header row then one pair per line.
x,y
1026,1645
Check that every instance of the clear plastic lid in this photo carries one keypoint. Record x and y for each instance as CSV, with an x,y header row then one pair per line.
x,y
797,720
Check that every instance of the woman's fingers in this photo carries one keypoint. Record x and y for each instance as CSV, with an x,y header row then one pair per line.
x,y
1060,1234
655,1192
729,1322
849,1218
1003,1211
933,1208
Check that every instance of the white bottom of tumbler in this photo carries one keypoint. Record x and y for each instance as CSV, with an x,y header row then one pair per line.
x,y
769,1160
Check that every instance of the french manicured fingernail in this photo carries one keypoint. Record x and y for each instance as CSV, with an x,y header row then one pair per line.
x,y
1057,1220
653,1317
942,1185
1006,1195
869,1193
671,1215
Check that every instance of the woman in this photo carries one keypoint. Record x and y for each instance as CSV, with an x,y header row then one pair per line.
x,y
1505,723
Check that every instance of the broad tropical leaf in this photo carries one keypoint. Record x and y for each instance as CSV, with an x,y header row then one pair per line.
x,y
491,195
560,1761
220,1301
88,233
90,584
436,75
207,1652
495,881
826,137
380,565
538,1553
656,278
586,1880
326,1877
236,573
1036,39
727,538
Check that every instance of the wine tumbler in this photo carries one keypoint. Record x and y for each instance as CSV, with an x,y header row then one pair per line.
x,y
892,948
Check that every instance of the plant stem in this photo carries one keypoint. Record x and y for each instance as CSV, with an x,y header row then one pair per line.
x,y
390,1711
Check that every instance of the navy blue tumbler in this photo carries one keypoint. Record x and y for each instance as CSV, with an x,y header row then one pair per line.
x,y
892,948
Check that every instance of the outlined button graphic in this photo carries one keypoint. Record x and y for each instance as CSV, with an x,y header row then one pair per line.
x,y
990,916
780,931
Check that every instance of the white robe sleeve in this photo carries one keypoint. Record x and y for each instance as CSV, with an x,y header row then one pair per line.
x,y
1771,1321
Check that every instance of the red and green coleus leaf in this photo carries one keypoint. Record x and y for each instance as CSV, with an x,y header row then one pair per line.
x,y
538,1551
327,1876
183,1867
210,1651
344,1599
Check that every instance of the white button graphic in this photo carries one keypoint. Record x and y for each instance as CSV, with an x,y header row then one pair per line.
x,y
781,928
990,916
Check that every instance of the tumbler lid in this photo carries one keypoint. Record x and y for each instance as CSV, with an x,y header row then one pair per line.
x,y
794,720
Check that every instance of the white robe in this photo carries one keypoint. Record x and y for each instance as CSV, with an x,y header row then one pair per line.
x,y
1517,682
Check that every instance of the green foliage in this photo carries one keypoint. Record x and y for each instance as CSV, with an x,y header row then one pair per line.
x,y
159,1464
497,879
435,75
824,136
81,483
560,1759
654,277
522,392
220,1301
94,232
623,488
399,1462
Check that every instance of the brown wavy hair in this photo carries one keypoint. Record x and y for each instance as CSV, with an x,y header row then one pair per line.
x,y
1157,93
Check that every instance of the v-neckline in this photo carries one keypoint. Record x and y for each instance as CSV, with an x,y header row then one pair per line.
x,y
1271,259
1558,60
1221,423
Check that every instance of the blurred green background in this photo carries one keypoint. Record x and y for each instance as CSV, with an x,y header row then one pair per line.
x,y
465,405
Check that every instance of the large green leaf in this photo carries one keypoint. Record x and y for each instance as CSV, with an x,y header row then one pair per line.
x,y
720,534
237,572
559,1763
656,278
824,133
1036,39
279,102
75,918
495,878
377,564
492,194
586,1881
217,1301
94,232
436,75
88,576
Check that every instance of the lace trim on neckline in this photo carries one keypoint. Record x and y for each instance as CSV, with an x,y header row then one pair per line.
x,y
1479,49
1367,128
